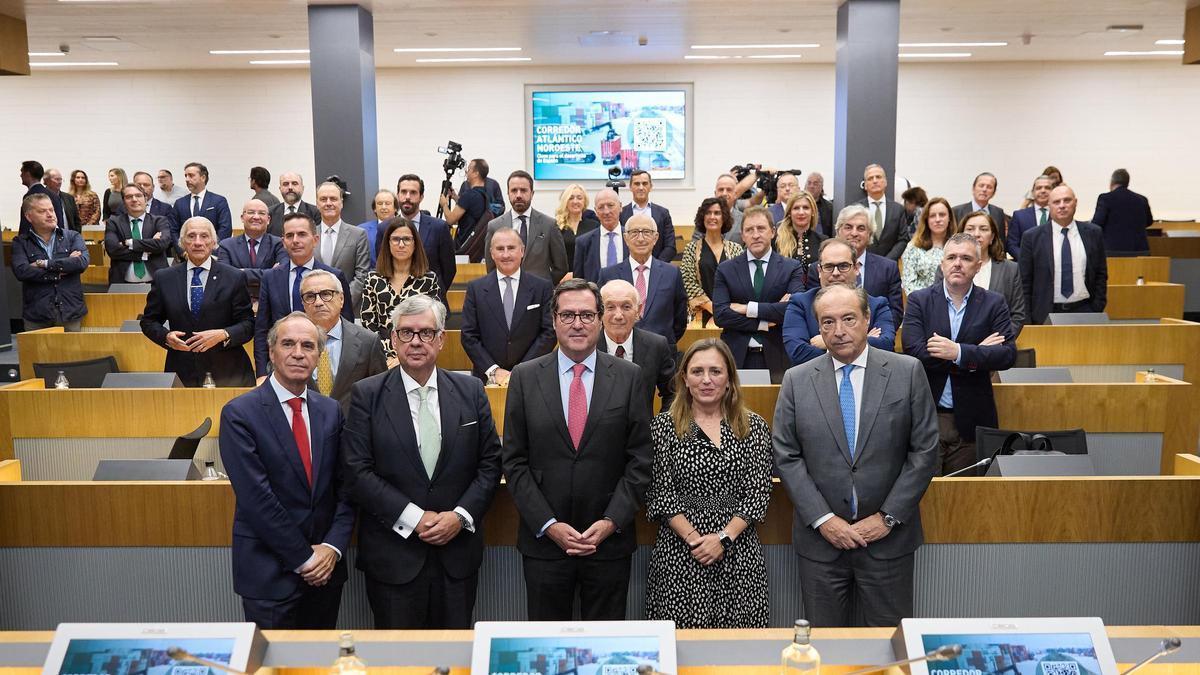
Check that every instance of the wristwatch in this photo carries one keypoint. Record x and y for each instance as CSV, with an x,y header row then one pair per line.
x,y
890,521
724,538
462,520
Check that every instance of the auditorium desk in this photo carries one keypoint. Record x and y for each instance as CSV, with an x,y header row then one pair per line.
x,y
134,351
1150,268
1153,300
1169,341
468,272
110,310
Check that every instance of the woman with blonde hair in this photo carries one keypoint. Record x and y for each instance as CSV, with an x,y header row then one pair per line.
x,y
86,200
710,484
573,219
112,202
797,236
923,256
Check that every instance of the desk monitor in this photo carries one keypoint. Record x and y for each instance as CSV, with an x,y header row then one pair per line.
x,y
146,469
578,647
1044,646
141,649
1076,318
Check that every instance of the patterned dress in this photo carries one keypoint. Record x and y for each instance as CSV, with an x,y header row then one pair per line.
x,y
379,300
698,267
709,485
88,205
919,265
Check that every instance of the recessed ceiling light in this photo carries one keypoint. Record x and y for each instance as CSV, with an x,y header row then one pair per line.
x,y
476,59
776,56
47,54
953,44
1169,42
62,64
937,55
705,57
809,45
1152,52
404,50
1124,28
280,62
225,52
101,38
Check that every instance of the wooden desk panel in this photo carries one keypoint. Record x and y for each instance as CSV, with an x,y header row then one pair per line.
x,y
455,300
468,272
1127,270
95,275
109,310
1169,341
1175,247
134,351
1154,300
10,470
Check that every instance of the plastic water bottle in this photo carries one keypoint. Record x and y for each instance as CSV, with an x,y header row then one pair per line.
x,y
1141,281
209,383
210,471
61,381
348,662
800,657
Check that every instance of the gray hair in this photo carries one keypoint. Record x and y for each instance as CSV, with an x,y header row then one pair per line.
x,y
273,333
874,166
198,221
852,211
28,202
965,238
419,304
606,192
864,303
321,274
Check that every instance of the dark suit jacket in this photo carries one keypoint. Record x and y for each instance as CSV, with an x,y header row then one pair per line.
x,y
998,215
825,222
275,302
214,207
486,337
384,473
118,229
278,517
733,284
800,325
158,208
664,248
894,237
226,305
276,227
1123,215
656,358
1021,222
881,279
606,478
1037,269
587,254
235,251
439,250
971,382
70,212
666,300
361,357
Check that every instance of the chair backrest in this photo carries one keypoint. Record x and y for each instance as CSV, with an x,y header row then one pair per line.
x,y
81,374
1026,358
1048,375
185,446
129,288
754,376
1070,441
1076,318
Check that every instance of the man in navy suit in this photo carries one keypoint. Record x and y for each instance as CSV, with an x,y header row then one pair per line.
x,y
279,443
960,333
201,202
604,246
136,255
1063,264
837,263
291,190
878,276
1123,215
255,250
279,288
640,185
503,326
154,207
422,462
888,221
435,233
982,191
659,284
208,309
750,294
1030,217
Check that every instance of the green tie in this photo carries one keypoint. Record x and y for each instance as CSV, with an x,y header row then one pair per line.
x,y
878,221
430,435
758,288
139,267
1044,218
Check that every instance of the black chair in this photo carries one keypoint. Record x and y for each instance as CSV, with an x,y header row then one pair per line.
x,y
989,441
186,445
81,374
1026,358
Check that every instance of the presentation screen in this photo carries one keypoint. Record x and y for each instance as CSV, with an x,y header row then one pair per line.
x,y
1045,654
146,656
580,135
572,647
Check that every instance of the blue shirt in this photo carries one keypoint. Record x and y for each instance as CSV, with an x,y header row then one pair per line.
x,y
47,247
956,319
333,345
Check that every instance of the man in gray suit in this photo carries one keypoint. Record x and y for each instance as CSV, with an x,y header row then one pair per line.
x,y
545,252
343,246
856,443
352,353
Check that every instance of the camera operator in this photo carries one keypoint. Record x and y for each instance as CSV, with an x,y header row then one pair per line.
x,y
470,203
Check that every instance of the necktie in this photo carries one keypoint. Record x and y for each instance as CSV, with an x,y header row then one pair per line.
x,y
508,301
1043,219
297,305
139,267
758,278
640,285
430,436
612,248
197,292
878,220
1068,271
577,406
254,252
300,433
291,210
327,246
846,399
620,351
324,372
195,205
524,222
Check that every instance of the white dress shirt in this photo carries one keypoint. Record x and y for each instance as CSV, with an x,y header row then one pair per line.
x,y
627,344
857,377
752,306
640,210
187,280
130,275
169,198
633,269
983,278
618,240
199,207
1078,263
329,240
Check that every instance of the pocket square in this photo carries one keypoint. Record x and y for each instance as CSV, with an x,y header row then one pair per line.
x,y
533,307
470,423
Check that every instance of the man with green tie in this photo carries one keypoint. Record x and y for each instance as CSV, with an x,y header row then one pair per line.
x,y
136,241
889,221
1030,217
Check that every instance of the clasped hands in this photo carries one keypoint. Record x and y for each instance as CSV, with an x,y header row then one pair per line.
x,y
575,544
319,568
706,548
200,341
844,536
944,348
437,529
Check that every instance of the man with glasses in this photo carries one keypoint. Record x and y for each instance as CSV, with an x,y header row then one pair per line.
x,y
659,284
877,275
352,353
837,263
255,250
422,462
577,458
136,241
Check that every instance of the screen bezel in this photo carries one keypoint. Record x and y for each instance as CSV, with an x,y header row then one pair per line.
x,y
914,631
486,631
242,635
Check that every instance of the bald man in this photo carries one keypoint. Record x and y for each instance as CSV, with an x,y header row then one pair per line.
x,y
1063,265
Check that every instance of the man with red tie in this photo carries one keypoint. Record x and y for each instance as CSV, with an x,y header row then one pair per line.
x,y
280,443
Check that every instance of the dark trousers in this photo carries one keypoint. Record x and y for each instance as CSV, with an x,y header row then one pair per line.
x,y
550,587
309,608
954,452
857,590
431,600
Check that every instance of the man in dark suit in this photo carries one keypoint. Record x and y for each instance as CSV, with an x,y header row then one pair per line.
x,y
255,250
960,333
136,241
279,288
622,339
815,186
352,353
577,459
640,185
153,206
53,182
750,295
1030,217
422,458
545,252
342,245
31,175
856,440
1063,264
279,443
291,189
506,314
982,191
659,284
208,309
1123,215
604,246
878,276
435,233
201,202
889,222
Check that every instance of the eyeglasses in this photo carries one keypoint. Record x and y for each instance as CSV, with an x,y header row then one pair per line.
x,y
401,241
407,334
569,317
325,295
641,233
830,268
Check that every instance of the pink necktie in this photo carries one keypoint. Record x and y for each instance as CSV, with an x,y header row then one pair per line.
x,y
640,285
577,406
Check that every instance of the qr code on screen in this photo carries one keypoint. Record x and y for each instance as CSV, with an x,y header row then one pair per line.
x,y
650,135
1059,668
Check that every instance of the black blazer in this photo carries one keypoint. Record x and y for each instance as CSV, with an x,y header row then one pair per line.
x,y
117,230
606,478
1122,214
894,237
235,252
384,473
226,305
998,216
276,227
487,338
664,248
1037,269
656,357
825,217
734,284
70,212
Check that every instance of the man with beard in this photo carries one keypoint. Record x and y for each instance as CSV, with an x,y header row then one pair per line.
x,y
291,189
545,252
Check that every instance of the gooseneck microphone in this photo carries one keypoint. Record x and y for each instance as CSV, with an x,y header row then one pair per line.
x,y
1168,646
983,462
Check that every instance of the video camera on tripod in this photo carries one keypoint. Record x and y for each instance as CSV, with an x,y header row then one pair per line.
x,y
767,180
453,162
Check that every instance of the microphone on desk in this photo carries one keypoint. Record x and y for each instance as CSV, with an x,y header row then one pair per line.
x,y
1168,646
181,654
983,462
943,653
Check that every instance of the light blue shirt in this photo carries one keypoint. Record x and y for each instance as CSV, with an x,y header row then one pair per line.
x,y
566,374
47,246
956,319
333,345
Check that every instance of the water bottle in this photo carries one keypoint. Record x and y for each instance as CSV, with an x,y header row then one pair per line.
x,y
1141,281
61,381
348,662
209,383
800,657
210,471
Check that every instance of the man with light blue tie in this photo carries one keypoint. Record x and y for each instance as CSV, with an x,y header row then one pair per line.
x,y
605,245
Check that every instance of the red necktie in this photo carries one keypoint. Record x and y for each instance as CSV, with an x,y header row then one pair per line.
x,y
620,351
301,434
253,254
577,406
640,285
